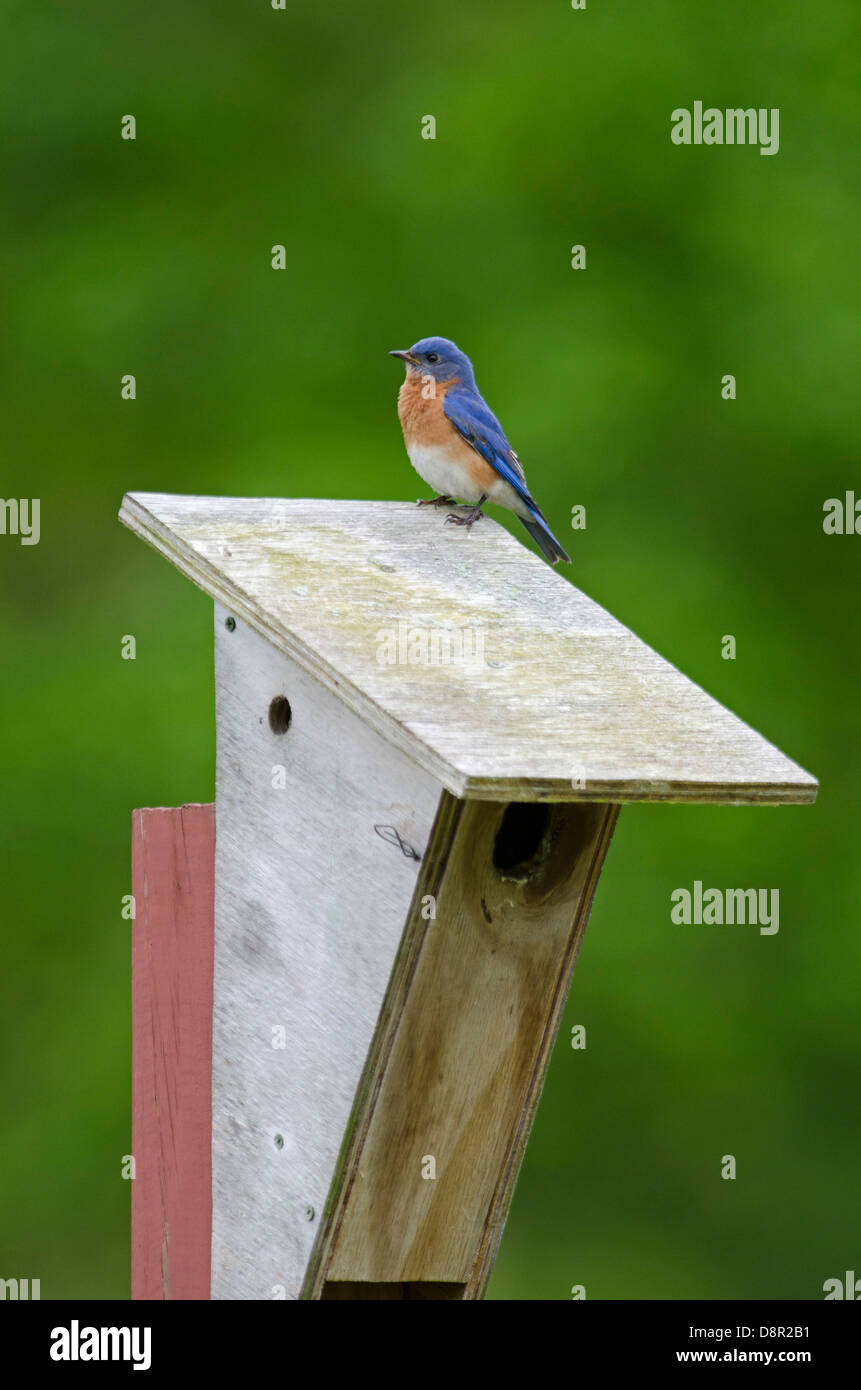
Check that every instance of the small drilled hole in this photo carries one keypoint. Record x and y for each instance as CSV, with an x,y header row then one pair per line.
x,y
280,715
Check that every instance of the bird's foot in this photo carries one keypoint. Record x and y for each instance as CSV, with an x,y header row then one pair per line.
x,y
473,515
441,501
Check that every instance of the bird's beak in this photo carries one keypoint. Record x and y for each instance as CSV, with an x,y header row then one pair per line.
x,y
404,356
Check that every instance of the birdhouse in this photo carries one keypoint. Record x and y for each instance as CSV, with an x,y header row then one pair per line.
x,y
349,978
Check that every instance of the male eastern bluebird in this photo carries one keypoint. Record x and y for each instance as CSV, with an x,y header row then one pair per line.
x,y
457,445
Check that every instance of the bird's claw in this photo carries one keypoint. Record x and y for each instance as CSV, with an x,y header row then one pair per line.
x,y
441,501
475,515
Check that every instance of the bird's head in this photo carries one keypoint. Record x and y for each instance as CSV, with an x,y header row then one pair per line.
x,y
437,357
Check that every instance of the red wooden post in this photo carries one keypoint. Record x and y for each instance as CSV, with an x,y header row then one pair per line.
x,y
173,880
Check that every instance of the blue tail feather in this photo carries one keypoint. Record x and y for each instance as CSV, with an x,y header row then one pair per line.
x,y
545,539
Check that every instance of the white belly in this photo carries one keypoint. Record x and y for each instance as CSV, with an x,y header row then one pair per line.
x,y
449,478
440,471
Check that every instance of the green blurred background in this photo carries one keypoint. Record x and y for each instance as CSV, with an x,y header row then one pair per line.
x,y
302,127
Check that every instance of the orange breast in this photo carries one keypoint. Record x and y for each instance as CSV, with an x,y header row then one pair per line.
x,y
422,417
424,422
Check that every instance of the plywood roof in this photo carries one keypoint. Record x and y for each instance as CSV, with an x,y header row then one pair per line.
x,y
467,651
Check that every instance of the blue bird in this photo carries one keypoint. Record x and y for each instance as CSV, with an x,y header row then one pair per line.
x,y
457,445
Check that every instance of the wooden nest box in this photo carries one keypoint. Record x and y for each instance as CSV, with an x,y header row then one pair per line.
x,y
423,738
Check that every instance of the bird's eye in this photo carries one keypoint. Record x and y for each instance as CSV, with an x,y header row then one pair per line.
x,y
433,357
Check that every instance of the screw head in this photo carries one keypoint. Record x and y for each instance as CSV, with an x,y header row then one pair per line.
x,y
309,1213
279,1141
230,624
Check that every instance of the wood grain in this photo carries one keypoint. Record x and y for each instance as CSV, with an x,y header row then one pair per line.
x,y
569,705
462,1048
172,933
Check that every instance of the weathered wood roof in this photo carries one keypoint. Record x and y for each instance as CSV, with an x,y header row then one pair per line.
x,y
560,701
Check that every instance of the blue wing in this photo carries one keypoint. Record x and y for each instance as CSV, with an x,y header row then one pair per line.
x,y
474,420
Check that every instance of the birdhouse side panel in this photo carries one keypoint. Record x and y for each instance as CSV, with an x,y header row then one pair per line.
x,y
320,830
